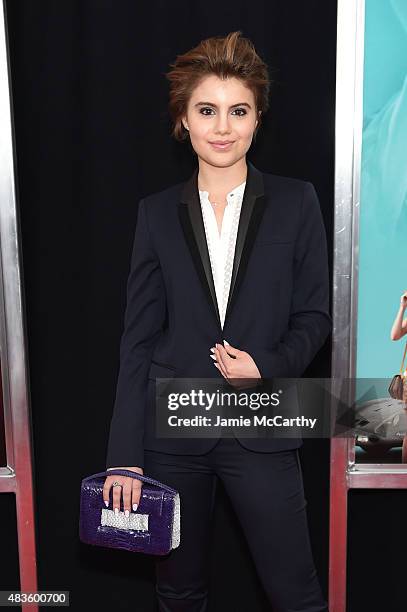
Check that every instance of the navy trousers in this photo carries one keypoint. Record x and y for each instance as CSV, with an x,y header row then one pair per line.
x,y
267,493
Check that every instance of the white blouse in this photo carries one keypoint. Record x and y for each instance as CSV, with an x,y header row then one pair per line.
x,y
221,247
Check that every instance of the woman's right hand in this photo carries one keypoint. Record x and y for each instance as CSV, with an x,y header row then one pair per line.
x,y
131,490
403,300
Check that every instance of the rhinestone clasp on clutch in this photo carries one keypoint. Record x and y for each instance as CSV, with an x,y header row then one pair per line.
x,y
121,521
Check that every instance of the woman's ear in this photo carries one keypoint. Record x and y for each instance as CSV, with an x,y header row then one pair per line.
x,y
184,123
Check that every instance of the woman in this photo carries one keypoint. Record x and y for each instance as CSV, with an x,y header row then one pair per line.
x,y
229,269
398,330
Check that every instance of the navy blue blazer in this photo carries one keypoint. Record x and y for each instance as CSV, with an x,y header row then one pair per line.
x,y
278,308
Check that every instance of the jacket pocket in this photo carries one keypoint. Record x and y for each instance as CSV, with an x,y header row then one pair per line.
x,y
275,241
161,370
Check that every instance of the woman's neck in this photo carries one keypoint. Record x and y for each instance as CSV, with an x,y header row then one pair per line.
x,y
218,180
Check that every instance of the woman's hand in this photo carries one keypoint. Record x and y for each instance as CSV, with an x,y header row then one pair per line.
x,y
131,490
236,364
399,328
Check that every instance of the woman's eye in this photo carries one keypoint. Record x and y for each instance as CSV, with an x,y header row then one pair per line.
x,y
241,111
205,109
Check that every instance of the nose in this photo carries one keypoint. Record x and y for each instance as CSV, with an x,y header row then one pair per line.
x,y
222,123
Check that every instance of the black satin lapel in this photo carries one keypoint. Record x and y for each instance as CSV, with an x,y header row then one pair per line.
x,y
251,214
250,218
194,231
190,215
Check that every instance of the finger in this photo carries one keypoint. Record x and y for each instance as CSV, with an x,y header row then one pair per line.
x,y
106,490
221,370
127,495
226,361
222,355
230,350
221,350
220,359
136,493
117,492
232,353
220,365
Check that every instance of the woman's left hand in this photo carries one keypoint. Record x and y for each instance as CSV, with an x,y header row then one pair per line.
x,y
236,364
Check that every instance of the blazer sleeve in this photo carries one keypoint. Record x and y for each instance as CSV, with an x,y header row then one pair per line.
x,y
143,322
310,322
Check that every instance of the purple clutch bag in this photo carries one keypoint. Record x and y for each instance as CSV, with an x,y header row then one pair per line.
x,y
155,527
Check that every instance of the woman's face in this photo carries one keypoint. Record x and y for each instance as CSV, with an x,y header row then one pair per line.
x,y
221,111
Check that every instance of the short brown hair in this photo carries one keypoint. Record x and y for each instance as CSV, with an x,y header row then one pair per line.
x,y
225,56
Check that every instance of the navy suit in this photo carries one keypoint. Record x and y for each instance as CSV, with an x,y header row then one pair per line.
x,y
278,311
278,308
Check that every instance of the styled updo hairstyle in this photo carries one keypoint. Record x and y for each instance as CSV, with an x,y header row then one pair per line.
x,y
224,56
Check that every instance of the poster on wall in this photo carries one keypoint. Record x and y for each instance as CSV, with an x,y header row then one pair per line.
x,y
382,256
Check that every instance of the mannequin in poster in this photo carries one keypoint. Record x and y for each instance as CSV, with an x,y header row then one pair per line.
x,y
398,331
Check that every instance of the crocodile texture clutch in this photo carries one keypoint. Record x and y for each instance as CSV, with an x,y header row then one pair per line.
x,y
155,527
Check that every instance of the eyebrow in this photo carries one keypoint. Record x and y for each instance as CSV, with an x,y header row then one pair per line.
x,y
212,104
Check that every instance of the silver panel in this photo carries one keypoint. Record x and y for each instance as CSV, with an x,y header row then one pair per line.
x,y
17,476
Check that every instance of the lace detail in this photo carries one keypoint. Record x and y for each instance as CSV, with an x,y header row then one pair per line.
x,y
222,294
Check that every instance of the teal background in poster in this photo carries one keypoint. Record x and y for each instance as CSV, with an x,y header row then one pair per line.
x,y
383,196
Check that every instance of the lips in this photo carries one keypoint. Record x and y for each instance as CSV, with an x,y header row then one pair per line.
x,y
220,145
